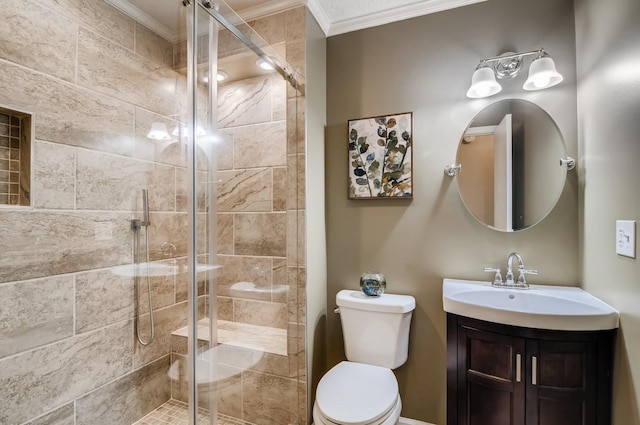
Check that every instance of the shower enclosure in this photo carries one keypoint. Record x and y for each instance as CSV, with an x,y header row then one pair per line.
x,y
139,116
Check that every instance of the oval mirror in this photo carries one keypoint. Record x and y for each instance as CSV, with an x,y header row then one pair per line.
x,y
511,176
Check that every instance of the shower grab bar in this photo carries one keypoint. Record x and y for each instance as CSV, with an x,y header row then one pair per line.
x,y
137,226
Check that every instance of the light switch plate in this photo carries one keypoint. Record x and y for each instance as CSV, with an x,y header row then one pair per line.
x,y
626,238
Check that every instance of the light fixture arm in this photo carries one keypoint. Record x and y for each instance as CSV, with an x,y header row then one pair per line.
x,y
539,52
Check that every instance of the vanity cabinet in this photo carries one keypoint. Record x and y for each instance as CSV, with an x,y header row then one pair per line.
x,y
508,375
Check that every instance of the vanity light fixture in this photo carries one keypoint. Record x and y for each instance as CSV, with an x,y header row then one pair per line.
x,y
158,132
542,73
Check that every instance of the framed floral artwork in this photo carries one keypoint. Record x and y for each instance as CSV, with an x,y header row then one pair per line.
x,y
380,157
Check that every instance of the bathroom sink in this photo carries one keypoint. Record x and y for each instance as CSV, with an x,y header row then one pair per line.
x,y
540,306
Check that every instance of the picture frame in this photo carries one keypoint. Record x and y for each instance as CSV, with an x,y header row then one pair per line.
x,y
381,157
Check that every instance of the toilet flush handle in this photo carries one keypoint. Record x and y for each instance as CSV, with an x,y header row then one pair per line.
x,y
336,310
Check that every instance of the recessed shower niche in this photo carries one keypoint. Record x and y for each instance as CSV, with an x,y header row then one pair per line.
x,y
15,157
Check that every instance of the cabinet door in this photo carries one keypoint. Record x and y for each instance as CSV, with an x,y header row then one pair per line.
x,y
561,383
490,378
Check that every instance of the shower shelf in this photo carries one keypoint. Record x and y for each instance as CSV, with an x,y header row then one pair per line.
x,y
259,338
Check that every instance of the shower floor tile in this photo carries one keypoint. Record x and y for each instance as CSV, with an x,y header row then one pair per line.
x,y
175,412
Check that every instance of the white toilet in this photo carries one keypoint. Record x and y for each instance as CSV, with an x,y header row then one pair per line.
x,y
364,390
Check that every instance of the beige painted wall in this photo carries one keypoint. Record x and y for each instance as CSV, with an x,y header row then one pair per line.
x,y
424,65
608,64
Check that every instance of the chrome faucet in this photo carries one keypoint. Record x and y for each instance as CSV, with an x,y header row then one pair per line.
x,y
509,282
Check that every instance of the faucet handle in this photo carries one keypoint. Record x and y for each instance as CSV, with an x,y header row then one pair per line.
x,y
497,279
522,281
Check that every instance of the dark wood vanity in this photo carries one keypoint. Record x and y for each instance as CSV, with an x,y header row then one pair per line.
x,y
508,375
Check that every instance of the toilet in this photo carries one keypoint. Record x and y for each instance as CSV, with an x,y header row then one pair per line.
x,y
363,390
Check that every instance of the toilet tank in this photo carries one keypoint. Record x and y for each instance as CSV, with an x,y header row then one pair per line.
x,y
376,329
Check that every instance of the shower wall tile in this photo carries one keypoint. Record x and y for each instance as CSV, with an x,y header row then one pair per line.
x,y
260,313
295,24
64,415
229,391
278,98
151,46
245,102
54,176
40,380
244,190
296,55
236,269
167,152
163,290
296,130
166,320
168,228
93,288
273,364
296,301
225,308
36,38
296,172
127,399
280,280
296,245
35,313
109,182
224,149
182,190
182,281
69,114
270,28
37,244
261,145
268,399
98,15
261,234
224,230
280,189
108,68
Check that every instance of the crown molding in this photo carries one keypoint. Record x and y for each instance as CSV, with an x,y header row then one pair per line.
x,y
321,16
395,14
143,18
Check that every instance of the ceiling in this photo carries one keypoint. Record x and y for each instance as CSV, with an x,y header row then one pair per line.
x,y
334,16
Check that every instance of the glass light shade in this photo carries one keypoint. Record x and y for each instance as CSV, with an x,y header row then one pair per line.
x,y
483,84
542,74
158,132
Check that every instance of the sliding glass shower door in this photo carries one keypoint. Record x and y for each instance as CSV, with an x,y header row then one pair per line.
x,y
244,361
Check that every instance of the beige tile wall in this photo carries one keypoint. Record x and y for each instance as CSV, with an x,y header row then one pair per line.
x,y
95,81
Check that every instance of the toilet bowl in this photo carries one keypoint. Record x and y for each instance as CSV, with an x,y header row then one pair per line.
x,y
357,394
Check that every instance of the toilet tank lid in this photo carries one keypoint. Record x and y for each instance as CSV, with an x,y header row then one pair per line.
x,y
387,303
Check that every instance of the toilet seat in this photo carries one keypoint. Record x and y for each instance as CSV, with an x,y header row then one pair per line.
x,y
357,394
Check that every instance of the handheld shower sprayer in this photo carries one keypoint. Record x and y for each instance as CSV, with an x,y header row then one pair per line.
x,y
137,225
